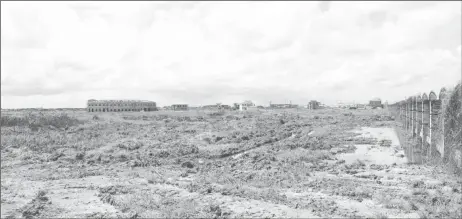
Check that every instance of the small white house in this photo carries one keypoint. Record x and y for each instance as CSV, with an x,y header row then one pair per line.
x,y
245,105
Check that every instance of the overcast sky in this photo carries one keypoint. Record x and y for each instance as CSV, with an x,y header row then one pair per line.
x,y
60,54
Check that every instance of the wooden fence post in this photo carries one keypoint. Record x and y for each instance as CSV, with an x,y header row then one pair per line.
x,y
425,123
433,110
405,114
441,146
409,115
400,113
419,121
414,116
444,104
411,127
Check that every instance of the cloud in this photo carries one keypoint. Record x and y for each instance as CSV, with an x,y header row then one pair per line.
x,y
324,6
59,54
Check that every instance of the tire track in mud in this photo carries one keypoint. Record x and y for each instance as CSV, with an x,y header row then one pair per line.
x,y
259,145
300,204
268,142
230,206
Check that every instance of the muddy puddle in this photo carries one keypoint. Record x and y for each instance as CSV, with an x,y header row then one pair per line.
x,y
377,153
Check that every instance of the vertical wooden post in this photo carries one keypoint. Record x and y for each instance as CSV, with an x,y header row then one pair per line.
x,y
409,116
408,109
405,115
430,128
414,116
418,124
441,100
401,106
400,112
431,100
422,136
411,126
442,131
411,112
425,124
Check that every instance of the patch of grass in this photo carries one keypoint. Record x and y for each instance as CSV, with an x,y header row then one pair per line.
x,y
10,121
418,184
38,120
420,191
130,145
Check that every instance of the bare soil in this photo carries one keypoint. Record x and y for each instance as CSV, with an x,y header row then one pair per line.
x,y
264,164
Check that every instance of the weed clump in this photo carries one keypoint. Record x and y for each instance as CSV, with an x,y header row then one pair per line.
x,y
130,145
34,208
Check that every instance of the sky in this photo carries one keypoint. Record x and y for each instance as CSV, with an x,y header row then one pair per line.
x,y
60,54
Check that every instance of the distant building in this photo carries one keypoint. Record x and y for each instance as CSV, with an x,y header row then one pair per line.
x,y
180,107
235,106
209,107
344,105
375,103
226,107
120,105
314,105
217,106
360,106
246,104
282,105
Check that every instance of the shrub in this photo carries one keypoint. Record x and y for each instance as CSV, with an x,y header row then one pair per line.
x,y
216,114
34,121
453,127
9,121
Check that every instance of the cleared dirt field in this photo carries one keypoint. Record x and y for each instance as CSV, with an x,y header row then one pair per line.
x,y
265,164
